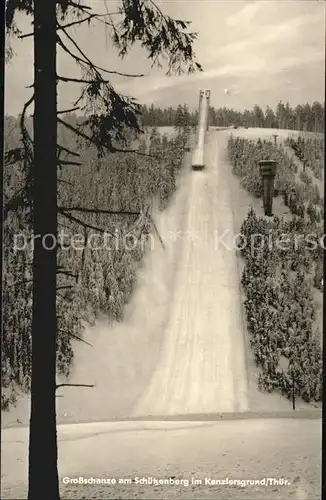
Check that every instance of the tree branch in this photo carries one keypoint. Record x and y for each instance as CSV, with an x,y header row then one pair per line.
x,y
81,223
26,35
13,156
71,54
72,163
157,232
73,385
62,181
135,151
72,153
66,273
89,62
83,8
74,80
65,111
97,211
90,17
64,225
28,157
81,21
111,149
75,337
76,131
62,297
76,46
15,202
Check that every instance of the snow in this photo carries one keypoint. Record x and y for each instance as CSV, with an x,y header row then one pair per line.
x,y
234,449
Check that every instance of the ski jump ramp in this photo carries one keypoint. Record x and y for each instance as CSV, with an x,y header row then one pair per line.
x,y
201,368
198,155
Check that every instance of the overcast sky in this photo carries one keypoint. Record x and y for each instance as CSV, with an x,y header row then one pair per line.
x,y
262,51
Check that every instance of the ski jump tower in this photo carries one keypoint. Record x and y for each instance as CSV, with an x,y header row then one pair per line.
x,y
198,155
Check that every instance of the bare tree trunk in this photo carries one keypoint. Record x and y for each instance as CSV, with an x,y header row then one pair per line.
x,y
43,472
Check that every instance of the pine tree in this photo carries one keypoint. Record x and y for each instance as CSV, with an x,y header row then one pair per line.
x,y
179,119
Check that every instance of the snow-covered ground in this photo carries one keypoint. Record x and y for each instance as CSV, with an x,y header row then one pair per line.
x,y
236,449
268,133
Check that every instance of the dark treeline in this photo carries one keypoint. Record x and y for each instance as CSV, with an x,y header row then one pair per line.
x,y
306,117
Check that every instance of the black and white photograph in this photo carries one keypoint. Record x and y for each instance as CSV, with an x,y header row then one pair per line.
x,y
163,249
